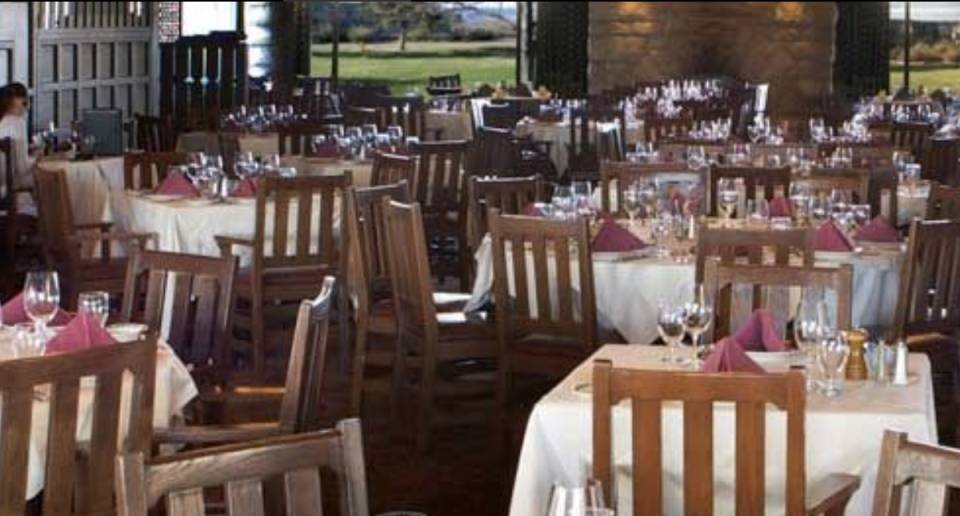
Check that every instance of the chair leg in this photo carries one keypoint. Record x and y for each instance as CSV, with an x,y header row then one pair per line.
x,y
257,333
399,381
426,398
343,327
359,365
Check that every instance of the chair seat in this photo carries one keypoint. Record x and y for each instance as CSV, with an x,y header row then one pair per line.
x,y
381,318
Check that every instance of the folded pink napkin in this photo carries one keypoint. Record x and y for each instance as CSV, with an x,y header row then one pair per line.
x,y
327,149
83,332
729,357
13,312
760,333
877,230
246,188
614,238
177,184
830,238
531,210
780,207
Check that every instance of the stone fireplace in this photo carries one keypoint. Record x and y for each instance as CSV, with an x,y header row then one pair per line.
x,y
787,44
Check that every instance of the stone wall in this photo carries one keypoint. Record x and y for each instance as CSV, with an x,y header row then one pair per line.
x,y
787,44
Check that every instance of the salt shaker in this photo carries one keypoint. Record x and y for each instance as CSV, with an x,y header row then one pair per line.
x,y
880,362
900,365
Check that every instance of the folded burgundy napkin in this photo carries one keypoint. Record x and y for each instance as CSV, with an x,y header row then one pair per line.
x,y
729,357
13,312
177,184
326,150
531,210
877,230
759,333
830,238
780,207
83,332
614,238
246,188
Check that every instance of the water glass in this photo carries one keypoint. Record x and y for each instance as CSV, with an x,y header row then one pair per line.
x,y
96,304
27,342
671,324
811,324
860,213
832,355
758,212
698,314
800,200
820,209
41,298
632,203
563,201
727,196
577,501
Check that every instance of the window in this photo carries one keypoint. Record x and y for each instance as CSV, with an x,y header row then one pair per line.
x,y
925,45
199,18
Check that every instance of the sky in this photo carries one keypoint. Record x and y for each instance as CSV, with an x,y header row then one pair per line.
x,y
927,11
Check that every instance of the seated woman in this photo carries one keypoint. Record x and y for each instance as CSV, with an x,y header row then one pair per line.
x,y
13,124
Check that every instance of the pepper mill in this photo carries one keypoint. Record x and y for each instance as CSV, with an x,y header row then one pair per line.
x,y
856,363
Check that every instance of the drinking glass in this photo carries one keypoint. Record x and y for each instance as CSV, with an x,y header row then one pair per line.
x,y
860,213
758,212
698,314
632,203
576,501
662,229
671,324
800,200
648,197
41,298
820,209
582,193
395,132
563,201
811,324
96,304
727,196
832,355
27,343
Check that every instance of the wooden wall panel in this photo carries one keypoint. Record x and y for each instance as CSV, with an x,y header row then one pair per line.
x,y
14,42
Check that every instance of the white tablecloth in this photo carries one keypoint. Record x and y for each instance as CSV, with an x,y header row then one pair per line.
x,y
90,183
628,292
843,435
174,389
911,203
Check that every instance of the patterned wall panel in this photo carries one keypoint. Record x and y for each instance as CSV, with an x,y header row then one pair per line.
x,y
91,55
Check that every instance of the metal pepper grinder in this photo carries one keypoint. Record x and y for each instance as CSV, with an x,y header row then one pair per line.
x,y
856,363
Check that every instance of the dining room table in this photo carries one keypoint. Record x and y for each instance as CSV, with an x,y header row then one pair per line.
x,y
89,182
558,135
843,435
174,389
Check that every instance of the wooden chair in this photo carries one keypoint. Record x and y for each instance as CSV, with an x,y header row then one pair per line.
x,y
589,144
244,470
441,85
912,136
500,152
15,225
720,279
300,398
617,176
72,485
536,333
67,245
884,184
406,111
433,339
510,195
731,243
300,137
200,315
501,116
392,168
146,170
757,181
290,261
943,202
155,134
439,188
904,463
854,181
649,390
942,161
928,313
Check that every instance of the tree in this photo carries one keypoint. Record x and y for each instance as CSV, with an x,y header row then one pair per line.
x,y
403,16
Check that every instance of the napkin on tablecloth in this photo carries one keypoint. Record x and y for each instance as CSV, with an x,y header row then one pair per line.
x,y
13,312
83,332
729,357
614,238
531,210
177,184
877,230
246,188
780,207
759,333
328,149
830,238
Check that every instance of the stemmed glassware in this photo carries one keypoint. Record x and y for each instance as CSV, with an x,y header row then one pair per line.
x,y
647,191
832,354
96,304
41,299
578,501
698,314
671,324
632,203
811,325
582,195
820,209
728,195
563,201
799,200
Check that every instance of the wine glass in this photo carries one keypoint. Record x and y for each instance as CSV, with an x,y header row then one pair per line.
x,y
671,324
698,314
563,201
800,200
96,304
582,197
820,209
727,196
860,213
662,229
41,298
577,501
758,212
648,197
832,354
632,203
811,324
395,132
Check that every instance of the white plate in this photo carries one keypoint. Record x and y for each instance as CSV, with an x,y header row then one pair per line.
x,y
127,332
773,357
162,197
196,203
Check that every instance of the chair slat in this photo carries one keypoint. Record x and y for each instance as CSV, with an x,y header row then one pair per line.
x,y
647,457
103,437
750,467
61,446
186,503
15,422
303,493
698,457
245,498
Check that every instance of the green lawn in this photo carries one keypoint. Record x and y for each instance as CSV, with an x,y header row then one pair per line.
x,y
488,61
930,79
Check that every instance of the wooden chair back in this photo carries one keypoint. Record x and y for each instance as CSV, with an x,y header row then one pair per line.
x,y
8,202
439,182
720,280
370,238
200,314
929,299
572,310
501,116
155,134
66,376
943,202
444,85
656,129
494,152
884,184
757,181
300,136
649,390
904,463
942,161
409,270
146,170
243,469
617,176
390,168
912,136
509,195
596,133
729,243
855,181
56,214
301,241
407,112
